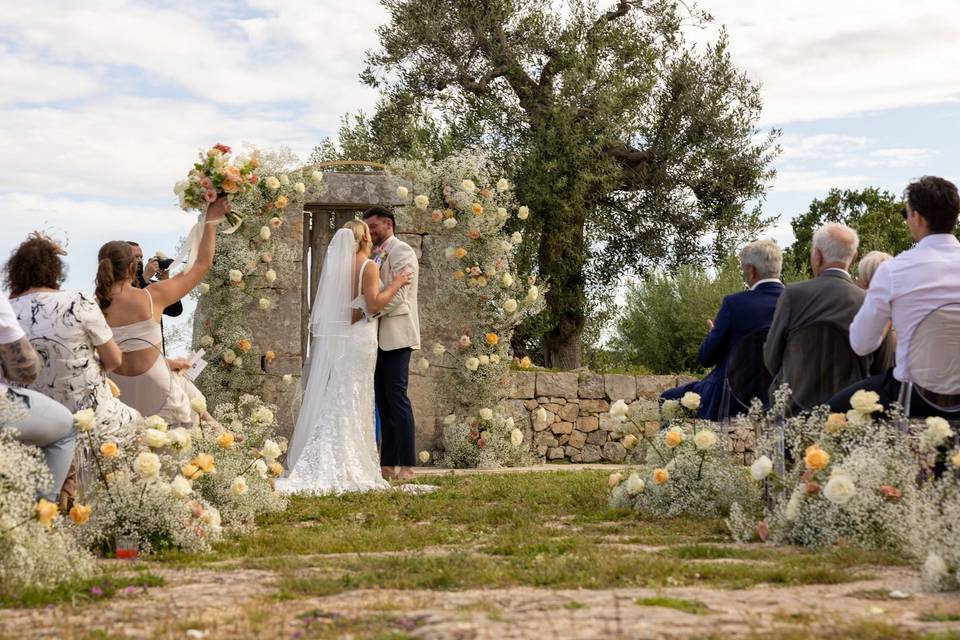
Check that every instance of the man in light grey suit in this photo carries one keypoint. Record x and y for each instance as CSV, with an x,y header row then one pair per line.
x,y
399,336
808,346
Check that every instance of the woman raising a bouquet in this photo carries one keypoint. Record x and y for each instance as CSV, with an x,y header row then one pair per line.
x,y
144,378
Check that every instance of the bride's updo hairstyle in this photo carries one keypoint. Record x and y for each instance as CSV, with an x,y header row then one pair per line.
x,y
361,235
116,265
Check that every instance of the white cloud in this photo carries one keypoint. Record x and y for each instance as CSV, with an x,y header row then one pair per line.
x,y
813,180
826,59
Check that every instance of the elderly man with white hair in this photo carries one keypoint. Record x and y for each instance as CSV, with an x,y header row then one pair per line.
x,y
816,309
740,315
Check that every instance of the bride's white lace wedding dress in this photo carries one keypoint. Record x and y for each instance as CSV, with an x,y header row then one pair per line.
x,y
334,448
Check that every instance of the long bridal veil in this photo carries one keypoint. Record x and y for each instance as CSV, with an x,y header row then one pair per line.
x,y
330,323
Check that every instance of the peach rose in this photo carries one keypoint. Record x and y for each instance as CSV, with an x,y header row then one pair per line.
x,y
474,234
109,450
458,275
229,186
477,209
80,513
281,202
816,458
225,439
232,173
492,339
661,476
436,215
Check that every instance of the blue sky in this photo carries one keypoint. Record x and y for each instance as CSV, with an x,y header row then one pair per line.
x,y
106,102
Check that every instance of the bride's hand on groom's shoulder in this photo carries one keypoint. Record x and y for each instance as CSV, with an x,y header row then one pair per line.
x,y
404,277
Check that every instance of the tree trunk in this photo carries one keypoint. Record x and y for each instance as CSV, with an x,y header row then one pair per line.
x,y
561,349
562,262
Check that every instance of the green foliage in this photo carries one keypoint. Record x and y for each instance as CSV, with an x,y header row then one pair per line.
x,y
874,214
628,143
665,317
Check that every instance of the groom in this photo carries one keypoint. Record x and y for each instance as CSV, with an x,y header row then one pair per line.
x,y
399,336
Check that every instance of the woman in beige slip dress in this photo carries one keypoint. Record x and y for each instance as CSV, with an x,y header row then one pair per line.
x,y
145,379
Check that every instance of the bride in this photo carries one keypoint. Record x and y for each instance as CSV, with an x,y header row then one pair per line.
x,y
334,448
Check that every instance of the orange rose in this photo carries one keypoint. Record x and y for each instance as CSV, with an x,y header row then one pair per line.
x,y
661,476
205,462
458,275
281,202
109,450
816,458
525,362
244,345
460,252
673,438
190,471
477,209
492,339
229,186
46,512
270,356
80,513
225,439
276,469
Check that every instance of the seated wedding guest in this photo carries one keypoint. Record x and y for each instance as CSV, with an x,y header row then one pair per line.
x,y
144,377
69,331
43,423
740,315
830,299
909,287
868,266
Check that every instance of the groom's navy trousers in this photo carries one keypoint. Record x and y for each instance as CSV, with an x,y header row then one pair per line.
x,y
396,414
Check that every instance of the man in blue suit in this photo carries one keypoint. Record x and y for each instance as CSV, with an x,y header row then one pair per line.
x,y
740,315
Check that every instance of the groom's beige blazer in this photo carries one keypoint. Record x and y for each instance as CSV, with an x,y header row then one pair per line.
x,y
400,319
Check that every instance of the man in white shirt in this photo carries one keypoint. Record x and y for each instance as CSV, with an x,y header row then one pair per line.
x,y
909,287
43,422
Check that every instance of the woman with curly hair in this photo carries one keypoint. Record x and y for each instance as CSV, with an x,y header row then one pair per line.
x,y
71,336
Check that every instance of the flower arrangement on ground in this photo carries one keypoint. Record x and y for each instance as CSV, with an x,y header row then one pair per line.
x,y
36,548
686,470
480,296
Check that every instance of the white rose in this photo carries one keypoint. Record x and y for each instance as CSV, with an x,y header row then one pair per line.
x,y
272,183
439,349
486,414
285,180
155,422
199,404
450,223
840,489
85,419
239,486
262,415
517,237
424,365
761,468
402,193
265,232
533,294
271,450
204,288
619,410
317,177
421,201
235,275
705,439
270,276
494,358
690,401
265,303
180,487
484,359
229,356
468,186
516,437
523,213
506,280
502,213
238,362
937,432
671,408
866,402
299,187
147,465
510,305
155,439
206,342
503,185
449,253
472,364
635,484
450,419
424,457
261,468
509,423
287,378
211,518
180,438
506,246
